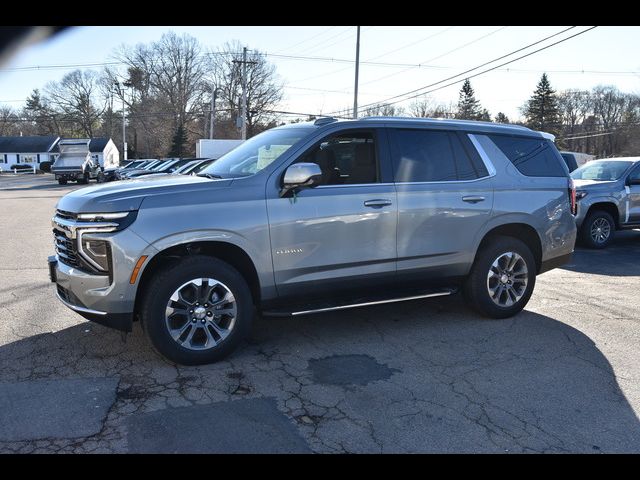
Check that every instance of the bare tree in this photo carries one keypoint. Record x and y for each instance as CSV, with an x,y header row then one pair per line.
x,y
77,98
9,124
164,92
422,107
383,110
264,89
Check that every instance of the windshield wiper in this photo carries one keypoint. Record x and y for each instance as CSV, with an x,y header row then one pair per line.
x,y
208,175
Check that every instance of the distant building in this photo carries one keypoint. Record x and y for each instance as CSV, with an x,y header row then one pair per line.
x,y
34,150
26,150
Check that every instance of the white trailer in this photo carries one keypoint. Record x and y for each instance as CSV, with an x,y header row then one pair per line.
x,y
75,162
215,148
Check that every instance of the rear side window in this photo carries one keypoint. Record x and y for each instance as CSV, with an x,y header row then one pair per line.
x,y
431,156
533,157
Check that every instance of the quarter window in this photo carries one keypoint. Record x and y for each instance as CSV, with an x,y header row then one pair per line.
x,y
432,156
533,157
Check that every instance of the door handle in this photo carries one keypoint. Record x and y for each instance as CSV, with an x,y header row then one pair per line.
x,y
377,203
473,199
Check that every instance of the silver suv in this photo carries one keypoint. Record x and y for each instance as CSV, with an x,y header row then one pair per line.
x,y
314,217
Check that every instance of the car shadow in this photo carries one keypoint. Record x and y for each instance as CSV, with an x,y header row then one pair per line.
x,y
620,258
459,382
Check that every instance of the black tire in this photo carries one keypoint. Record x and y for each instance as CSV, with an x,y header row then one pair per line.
x,y
159,291
476,289
62,181
595,218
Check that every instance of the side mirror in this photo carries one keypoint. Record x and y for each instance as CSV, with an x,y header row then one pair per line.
x,y
300,175
633,181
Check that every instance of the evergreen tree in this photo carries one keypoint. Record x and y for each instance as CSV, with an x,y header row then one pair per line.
x,y
501,118
541,110
468,107
485,116
178,142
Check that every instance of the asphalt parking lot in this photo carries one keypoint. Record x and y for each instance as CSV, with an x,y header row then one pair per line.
x,y
422,376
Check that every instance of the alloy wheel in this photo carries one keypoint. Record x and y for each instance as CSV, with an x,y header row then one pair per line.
x,y
507,279
201,313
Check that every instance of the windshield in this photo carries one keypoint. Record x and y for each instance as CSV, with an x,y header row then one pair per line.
x,y
601,170
256,153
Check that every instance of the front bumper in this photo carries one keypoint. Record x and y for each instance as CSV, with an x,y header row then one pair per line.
x,y
69,280
105,299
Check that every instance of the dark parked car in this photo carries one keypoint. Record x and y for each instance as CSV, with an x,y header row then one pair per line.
x,y
167,167
570,160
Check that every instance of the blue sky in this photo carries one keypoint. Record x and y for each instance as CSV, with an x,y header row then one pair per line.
x,y
606,55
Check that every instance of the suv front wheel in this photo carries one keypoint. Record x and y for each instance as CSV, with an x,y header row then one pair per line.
x,y
502,278
197,311
597,229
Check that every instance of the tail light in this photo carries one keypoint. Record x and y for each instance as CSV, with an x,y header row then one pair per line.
x,y
572,197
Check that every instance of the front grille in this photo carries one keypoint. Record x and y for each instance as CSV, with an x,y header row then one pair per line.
x,y
66,249
66,215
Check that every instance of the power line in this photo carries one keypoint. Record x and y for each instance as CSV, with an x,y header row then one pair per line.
x,y
460,47
479,66
305,41
411,44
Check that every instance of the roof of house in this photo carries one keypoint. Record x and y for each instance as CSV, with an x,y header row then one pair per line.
x,y
32,144
96,145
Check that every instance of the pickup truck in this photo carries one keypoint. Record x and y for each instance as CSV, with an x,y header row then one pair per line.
x,y
608,199
75,163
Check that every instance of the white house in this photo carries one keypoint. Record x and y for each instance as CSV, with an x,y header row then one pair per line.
x,y
26,150
34,150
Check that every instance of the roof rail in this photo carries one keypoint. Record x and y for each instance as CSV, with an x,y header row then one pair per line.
x,y
324,121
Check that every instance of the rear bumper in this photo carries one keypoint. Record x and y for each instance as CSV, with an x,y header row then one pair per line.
x,y
555,262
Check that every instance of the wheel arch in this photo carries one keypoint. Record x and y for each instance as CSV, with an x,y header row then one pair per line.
x,y
523,232
225,251
610,207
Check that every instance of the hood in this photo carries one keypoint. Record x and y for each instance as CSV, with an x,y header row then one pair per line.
x,y
593,184
126,195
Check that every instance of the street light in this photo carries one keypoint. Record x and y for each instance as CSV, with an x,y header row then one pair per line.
x,y
124,131
214,96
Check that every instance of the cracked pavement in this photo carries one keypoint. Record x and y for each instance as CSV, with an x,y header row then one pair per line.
x,y
422,376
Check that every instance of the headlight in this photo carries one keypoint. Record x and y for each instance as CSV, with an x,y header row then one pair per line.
x,y
580,194
97,252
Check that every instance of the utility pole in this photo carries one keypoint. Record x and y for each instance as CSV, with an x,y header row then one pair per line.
x,y
244,93
355,90
124,131
243,107
213,111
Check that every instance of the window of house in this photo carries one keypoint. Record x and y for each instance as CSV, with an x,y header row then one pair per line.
x,y
346,159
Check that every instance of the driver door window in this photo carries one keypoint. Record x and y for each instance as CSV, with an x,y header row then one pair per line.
x,y
346,159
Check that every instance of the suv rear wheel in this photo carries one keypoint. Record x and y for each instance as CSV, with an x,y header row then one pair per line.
x,y
502,278
597,229
197,311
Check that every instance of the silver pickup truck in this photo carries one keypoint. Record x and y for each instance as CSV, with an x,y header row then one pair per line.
x,y
608,198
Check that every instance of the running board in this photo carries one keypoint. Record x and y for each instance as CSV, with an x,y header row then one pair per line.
x,y
321,309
